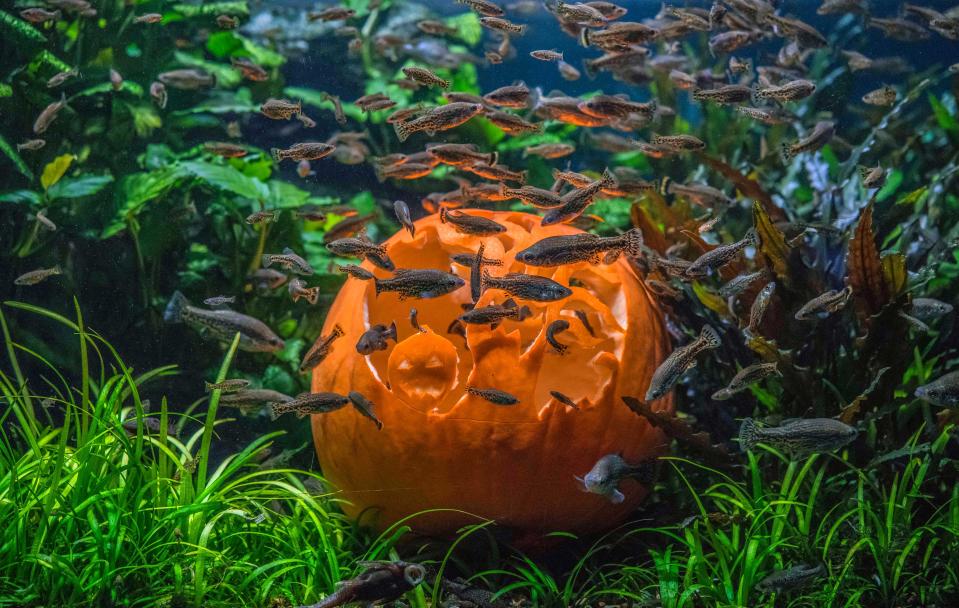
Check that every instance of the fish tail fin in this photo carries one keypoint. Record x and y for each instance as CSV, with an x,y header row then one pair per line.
x,y
524,312
747,434
276,410
584,37
377,285
486,279
493,158
57,14
208,386
403,130
752,236
313,295
863,171
786,152
522,176
392,331
174,308
607,180
664,185
56,270
509,303
710,337
444,213
337,331
275,153
634,242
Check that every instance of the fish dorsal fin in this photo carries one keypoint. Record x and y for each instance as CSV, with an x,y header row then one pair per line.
x,y
288,251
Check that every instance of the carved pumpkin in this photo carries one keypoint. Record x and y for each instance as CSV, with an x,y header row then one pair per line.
x,y
442,448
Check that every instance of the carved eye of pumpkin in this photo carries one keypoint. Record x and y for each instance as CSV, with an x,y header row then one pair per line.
x,y
443,448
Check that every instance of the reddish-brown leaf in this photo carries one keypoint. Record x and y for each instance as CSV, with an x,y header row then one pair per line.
x,y
865,268
652,235
748,187
679,430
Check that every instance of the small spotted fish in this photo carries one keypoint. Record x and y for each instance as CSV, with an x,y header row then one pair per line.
x,y
493,395
298,290
929,309
365,407
547,55
883,96
425,77
217,301
280,109
794,90
790,578
608,472
824,304
722,255
49,114
35,276
227,386
223,325
419,283
800,437
466,223
361,247
746,377
261,217
289,260
305,404
321,349
726,94
375,338
303,151
564,399
943,391
357,272
527,286
556,327
494,314
758,308
402,211
817,138
872,177
738,284
671,370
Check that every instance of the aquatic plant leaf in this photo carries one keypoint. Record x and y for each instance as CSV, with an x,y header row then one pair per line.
x,y
225,177
14,157
5,90
678,429
226,76
710,300
20,196
235,7
283,195
55,169
468,28
865,268
106,87
15,30
772,242
315,98
946,120
47,59
894,272
225,44
223,102
851,411
749,188
652,235
77,187
893,181
136,190
916,197
145,119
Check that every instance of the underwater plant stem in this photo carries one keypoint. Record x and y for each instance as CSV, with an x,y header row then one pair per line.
x,y
85,409
21,381
141,267
365,32
27,246
260,247
202,457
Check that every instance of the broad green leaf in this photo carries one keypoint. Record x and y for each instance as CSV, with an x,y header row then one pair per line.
x,y
15,30
55,170
284,195
136,190
14,157
21,196
227,178
237,7
49,60
946,120
226,76
5,90
468,28
893,181
145,119
106,87
78,187
223,102
363,202
915,197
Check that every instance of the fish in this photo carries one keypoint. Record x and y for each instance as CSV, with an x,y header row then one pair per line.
x,y
289,260
467,259
746,376
348,226
726,94
225,149
305,404
415,321
883,96
298,289
495,172
280,109
403,171
49,114
362,248
476,277
338,113
564,399
247,400
832,7
375,338
678,142
547,55
740,283
321,349
794,90
701,194
615,106
527,286
584,247
116,80
943,391
231,385
821,133
769,116
439,118
303,151
484,7
40,15
268,278
740,66
493,58
692,20
465,223
188,79
425,77
758,308
44,221
556,327
380,582
683,358
872,177
460,154
567,72
538,197
584,319
402,211
36,276
357,272
606,475
800,437
511,96
219,300
61,77
824,304
732,40
575,202
579,13
502,25
365,407
929,309
158,94
223,325
150,425
419,283
436,28
511,123
550,151
31,145
332,13
249,70
228,22
790,578
493,314
261,217
493,395
899,29
148,18
721,255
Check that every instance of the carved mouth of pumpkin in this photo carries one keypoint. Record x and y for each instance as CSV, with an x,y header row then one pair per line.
x,y
429,371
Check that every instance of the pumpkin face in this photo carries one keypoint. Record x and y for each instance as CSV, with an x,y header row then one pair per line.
x,y
441,448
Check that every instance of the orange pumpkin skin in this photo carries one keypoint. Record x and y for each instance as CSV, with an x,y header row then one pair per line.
x,y
441,448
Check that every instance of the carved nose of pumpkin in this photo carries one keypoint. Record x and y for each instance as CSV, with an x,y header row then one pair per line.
x,y
423,367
